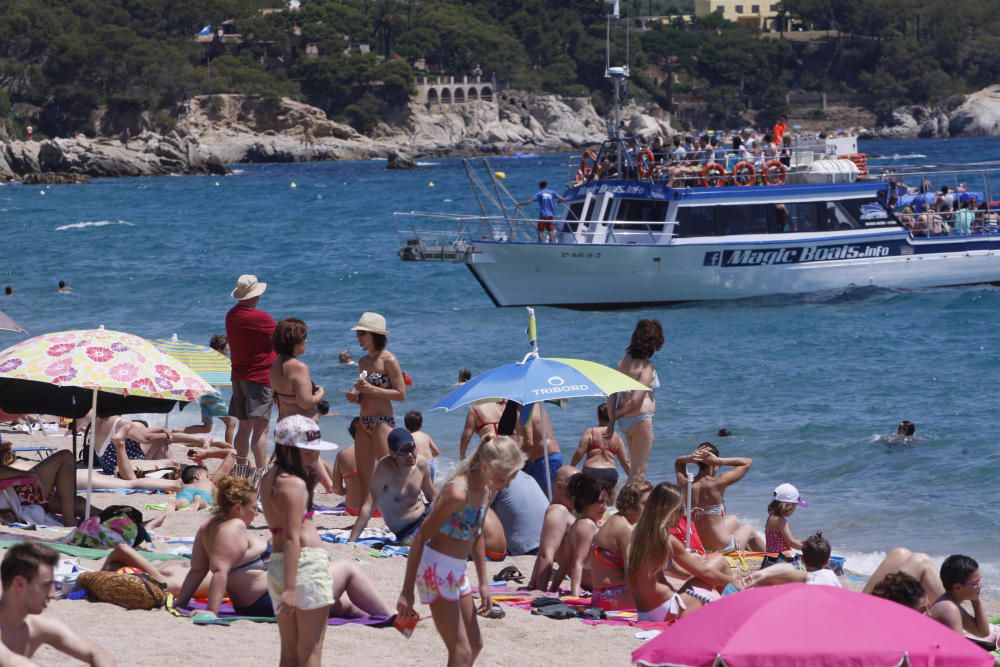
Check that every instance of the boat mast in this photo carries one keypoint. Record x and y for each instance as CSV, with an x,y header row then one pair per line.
x,y
618,74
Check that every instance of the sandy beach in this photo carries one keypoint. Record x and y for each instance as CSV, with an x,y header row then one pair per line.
x,y
157,638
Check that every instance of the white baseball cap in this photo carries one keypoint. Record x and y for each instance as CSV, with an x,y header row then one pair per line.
x,y
786,493
302,432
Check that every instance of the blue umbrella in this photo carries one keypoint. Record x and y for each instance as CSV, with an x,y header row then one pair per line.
x,y
535,379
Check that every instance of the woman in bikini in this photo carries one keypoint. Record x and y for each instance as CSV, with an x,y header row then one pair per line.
x,y
590,501
298,574
380,382
482,420
294,391
607,559
452,532
601,450
666,581
633,411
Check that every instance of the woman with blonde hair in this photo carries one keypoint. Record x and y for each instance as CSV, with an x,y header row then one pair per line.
x,y
664,579
452,532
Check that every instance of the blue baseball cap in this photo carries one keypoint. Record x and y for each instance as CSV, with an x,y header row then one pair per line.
x,y
399,438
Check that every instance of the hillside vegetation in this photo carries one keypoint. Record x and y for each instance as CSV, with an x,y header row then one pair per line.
x,y
135,61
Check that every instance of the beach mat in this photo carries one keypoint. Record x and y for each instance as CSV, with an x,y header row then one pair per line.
x,y
86,552
228,615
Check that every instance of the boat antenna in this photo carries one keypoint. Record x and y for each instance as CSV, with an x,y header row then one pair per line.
x,y
618,74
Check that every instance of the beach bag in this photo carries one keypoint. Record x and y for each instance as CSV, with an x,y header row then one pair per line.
x,y
131,591
118,524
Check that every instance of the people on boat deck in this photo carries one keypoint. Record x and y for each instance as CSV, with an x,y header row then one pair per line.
x,y
546,200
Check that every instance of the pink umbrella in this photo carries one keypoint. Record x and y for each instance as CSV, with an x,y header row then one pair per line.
x,y
808,626
7,323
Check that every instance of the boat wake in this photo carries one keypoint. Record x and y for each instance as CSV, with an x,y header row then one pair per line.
x,y
93,223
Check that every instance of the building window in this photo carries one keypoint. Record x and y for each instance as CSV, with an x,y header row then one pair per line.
x,y
774,7
720,9
739,9
755,9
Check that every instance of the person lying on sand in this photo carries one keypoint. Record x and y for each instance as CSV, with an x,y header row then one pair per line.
x,y
130,449
53,481
962,582
28,585
198,490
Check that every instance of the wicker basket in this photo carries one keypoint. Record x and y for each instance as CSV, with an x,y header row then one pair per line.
x,y
132,591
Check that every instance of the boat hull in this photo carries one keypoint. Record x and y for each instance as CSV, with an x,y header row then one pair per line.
x,y
594,275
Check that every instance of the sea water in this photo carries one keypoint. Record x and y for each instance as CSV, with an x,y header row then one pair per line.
x,y
806,384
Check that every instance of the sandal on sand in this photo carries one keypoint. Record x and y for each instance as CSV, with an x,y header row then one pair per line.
x,y
509,573
496,611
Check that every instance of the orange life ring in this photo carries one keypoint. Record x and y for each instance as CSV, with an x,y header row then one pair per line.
x,y
774,173
744,173
588,162
713,175
645,162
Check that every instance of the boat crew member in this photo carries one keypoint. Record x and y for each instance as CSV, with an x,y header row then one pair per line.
x,y
546,200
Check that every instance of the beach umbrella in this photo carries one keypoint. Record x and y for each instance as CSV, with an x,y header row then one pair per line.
x,y
809,626
7,323
67,373
535,379
214,368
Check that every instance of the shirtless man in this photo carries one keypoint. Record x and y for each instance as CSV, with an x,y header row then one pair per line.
x,y
28,585
558,519
536,435
718,531
396,486
962,582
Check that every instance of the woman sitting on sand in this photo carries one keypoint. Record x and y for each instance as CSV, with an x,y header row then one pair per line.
x,y
590,500
607,559
666,581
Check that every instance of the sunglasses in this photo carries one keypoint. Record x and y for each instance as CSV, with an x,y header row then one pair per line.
x,y
406,450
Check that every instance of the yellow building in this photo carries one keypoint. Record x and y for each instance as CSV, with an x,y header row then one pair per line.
x,y
754,13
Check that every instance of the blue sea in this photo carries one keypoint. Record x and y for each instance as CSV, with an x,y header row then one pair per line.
x,y
806,384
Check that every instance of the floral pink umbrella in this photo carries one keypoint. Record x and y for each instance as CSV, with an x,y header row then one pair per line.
x,y
100,360
799,625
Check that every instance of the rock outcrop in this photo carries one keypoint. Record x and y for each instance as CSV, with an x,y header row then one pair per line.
x,y
978,114
148,154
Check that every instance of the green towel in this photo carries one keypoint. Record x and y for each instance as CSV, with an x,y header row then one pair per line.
x,y
85,552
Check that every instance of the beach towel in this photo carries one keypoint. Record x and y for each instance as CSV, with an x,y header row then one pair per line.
x,y
382,542
84,552
228,615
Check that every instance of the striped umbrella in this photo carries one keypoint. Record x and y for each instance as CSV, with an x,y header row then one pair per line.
x,y
7,323
214,368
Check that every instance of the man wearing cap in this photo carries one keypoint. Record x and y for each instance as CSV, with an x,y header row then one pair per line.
x,y
249,332
396,488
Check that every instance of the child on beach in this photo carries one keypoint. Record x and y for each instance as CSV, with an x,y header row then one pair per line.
x,y
777,533
198,490
451,533
962,583
298,574
426,446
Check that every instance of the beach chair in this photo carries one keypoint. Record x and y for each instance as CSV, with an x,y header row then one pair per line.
x,y
34,452
244,469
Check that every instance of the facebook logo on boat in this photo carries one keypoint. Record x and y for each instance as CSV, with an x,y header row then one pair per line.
x,y
795,255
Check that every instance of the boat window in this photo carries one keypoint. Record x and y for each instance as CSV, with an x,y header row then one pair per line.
x,y
641,210
867,213
575,209
695,221
743,219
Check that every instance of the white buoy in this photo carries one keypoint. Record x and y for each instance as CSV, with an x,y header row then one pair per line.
x,y
293,186
216,184
41,192
431,184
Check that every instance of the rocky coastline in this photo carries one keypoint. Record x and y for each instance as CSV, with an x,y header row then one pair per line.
x,y
213,131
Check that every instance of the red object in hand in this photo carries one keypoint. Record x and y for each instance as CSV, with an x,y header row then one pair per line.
x,y
406,624
407,380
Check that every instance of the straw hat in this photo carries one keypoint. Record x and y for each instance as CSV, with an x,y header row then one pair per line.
x,y
247,287
372,322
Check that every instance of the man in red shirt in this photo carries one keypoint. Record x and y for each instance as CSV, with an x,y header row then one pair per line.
x,y
249,332
779,130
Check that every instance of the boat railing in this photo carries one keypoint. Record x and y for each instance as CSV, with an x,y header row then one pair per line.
x,y
437,229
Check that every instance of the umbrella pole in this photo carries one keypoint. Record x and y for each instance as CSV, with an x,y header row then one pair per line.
x,y
687,511
548,471
90,457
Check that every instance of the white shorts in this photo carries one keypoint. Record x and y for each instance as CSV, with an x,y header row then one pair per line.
x,y
313,581
441,576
